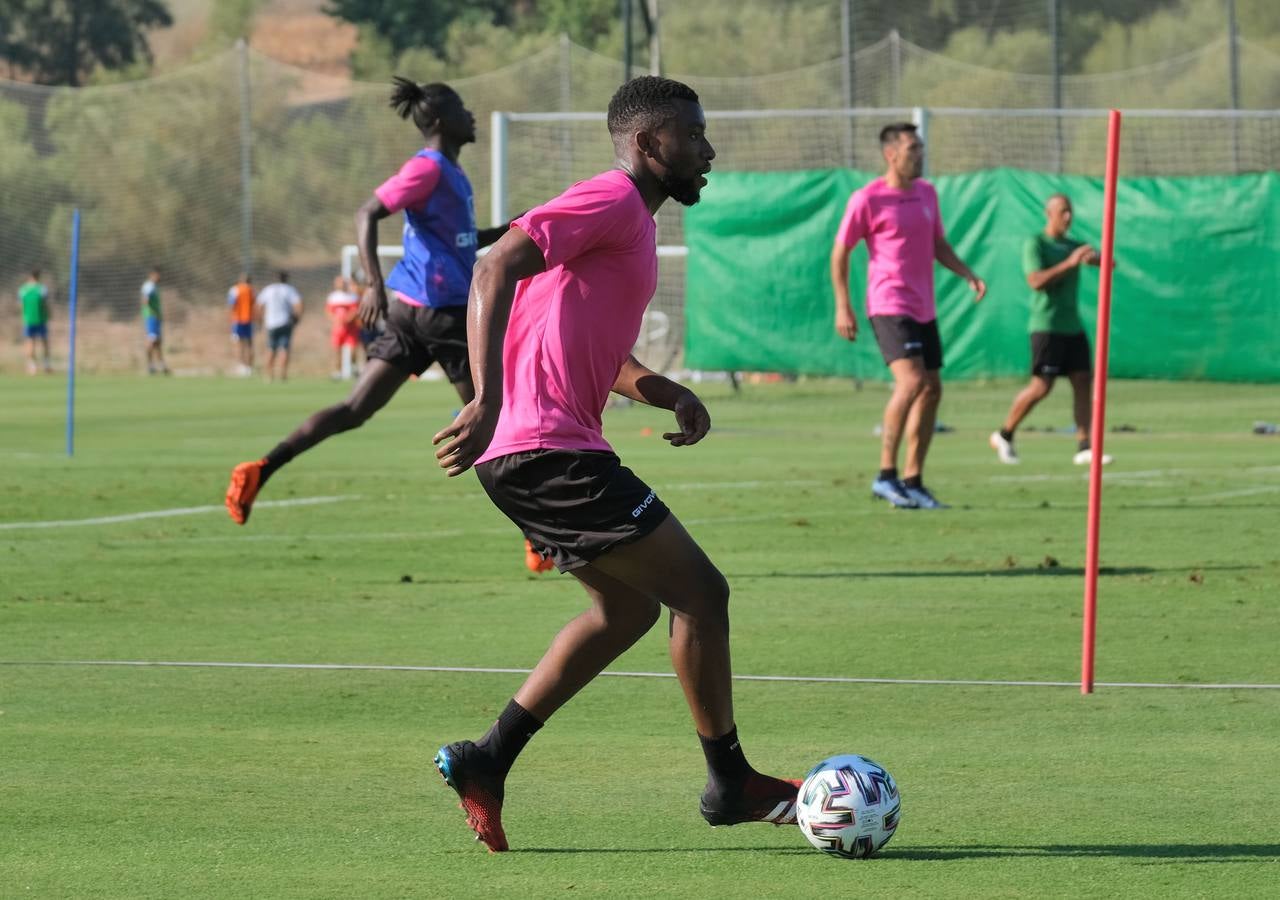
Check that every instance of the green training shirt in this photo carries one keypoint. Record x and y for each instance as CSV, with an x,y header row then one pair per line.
x,y
1053,308
32,296
150,300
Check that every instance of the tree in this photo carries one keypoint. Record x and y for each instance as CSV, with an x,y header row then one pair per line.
x,y
58,41
419,23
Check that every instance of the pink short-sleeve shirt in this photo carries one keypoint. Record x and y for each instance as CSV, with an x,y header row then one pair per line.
x,y
573,325
900,227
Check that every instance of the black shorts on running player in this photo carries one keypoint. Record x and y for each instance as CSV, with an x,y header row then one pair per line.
x,y
1055,354
572,505
901,337
417,336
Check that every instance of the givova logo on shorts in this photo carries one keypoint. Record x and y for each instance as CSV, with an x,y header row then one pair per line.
x,y
644,504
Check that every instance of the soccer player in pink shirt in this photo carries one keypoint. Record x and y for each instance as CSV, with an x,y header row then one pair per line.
x,y
426,313
897,215
554,311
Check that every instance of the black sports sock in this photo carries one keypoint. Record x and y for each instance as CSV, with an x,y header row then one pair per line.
x,y
727,766
507,737
888,474
915,481
1083,445
280,455
1006,434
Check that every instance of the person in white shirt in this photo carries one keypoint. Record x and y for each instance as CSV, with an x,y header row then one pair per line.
x,y
279,309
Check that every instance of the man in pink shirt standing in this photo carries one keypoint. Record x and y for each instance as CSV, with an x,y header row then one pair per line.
x,y
897,215
554,311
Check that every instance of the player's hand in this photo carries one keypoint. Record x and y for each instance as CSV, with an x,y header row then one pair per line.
x,y
373,305
978,286
1080,256
1093,258
460,445
692,419
847,324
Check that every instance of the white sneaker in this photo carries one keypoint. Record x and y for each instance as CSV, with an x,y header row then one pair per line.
x,y
1004,449
1085,457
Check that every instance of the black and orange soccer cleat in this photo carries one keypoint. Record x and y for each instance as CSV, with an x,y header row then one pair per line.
x,y
762,799
480,792
535,561
246,478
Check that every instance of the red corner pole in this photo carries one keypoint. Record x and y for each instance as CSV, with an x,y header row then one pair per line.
x,y
1099,402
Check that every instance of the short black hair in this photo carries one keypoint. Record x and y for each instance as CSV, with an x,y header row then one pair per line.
x,y
889,134
646,103
284,277
422,102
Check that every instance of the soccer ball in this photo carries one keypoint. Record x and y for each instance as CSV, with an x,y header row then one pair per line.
x,y
848,806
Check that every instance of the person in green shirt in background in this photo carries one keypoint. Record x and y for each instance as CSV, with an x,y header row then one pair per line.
x,y
33,297
1051,261
151,320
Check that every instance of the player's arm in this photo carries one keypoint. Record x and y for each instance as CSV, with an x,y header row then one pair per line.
x,y
1039,279
373,305
945,254
493,289
846,321
637,381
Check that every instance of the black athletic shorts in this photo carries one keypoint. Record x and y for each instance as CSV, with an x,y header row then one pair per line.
x,y
1059,354
902,336
572,505
417,336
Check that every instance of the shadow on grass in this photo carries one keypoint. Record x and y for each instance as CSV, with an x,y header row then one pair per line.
x,y
1002,572
1165,852
1192,853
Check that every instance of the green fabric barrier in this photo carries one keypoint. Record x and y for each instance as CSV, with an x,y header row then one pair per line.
x,y
1196,291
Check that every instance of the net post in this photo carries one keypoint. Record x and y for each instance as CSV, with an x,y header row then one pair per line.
x,y
71,340
1097,426
497,168
920,116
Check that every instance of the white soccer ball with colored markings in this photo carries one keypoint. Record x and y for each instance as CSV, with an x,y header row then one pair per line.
x,y
848,806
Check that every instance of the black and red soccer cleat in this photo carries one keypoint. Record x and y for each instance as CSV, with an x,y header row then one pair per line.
x,y
246,479
462,766
761,799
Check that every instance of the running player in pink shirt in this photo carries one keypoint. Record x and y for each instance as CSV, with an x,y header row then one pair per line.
x,y
897,215
554,311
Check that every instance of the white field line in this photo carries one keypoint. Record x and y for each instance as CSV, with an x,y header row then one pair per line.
x,y
312,501
478,670
1121,476
167,513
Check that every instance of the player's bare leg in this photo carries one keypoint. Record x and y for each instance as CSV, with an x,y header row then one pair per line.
x,y
375,388
1082,402
908,381
921,419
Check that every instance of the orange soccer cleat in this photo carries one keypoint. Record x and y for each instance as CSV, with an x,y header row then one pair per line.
x,y
535,561
246,478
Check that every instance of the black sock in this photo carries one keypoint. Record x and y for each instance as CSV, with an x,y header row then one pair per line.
x,y
1083,445
1006,434
507,737
280,455
915,481
727,766
889,474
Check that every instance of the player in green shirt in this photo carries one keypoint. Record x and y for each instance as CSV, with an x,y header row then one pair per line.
x,y
1051,261
151,318
33,297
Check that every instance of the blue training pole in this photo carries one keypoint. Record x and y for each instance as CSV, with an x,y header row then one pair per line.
x,y
71,352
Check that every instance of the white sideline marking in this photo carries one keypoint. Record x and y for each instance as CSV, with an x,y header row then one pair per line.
x,y
168,513
482,670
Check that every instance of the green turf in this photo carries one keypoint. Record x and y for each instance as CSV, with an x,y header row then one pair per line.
x,y
193,782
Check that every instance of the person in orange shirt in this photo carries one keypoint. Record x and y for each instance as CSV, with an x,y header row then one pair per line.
x,y
240,303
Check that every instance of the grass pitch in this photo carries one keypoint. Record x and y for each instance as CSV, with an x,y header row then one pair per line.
x,y
233,782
